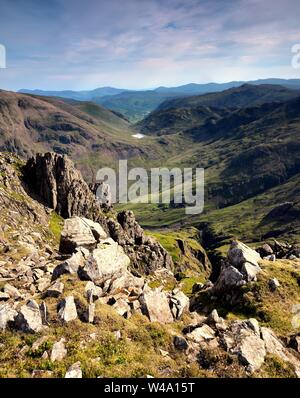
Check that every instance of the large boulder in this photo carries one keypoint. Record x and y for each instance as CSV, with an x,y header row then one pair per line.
x,y
202,333
29,318
80,232
107,261
55,290
251,351
126,282
179,304
239,254
241,267
155,305
250,271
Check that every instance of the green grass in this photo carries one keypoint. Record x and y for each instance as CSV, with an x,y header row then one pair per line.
x,y
55,225
187,259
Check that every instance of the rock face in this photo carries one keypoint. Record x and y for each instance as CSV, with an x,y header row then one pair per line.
x,y
29,318
103,193
61,187
146,254
155,305
105,262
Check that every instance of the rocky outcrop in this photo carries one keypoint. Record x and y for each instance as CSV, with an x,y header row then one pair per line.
x,y
61,187
242,339
146,254
239,254
279,250
241,267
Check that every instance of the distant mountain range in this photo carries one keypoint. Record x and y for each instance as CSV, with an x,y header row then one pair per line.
x,y
184,113
86,95
135,105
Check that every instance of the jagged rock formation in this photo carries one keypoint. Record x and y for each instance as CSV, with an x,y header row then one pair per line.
x,y
55,180
243,339
146,254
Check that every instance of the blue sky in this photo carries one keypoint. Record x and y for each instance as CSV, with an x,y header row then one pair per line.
x,y
83,44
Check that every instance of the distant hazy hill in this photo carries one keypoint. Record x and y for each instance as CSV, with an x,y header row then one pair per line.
x,y
135,105
78,95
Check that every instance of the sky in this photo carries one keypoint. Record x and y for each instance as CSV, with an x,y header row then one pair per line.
x,y
140,44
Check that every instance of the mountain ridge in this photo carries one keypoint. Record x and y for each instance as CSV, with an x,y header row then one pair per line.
x,y
136,104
